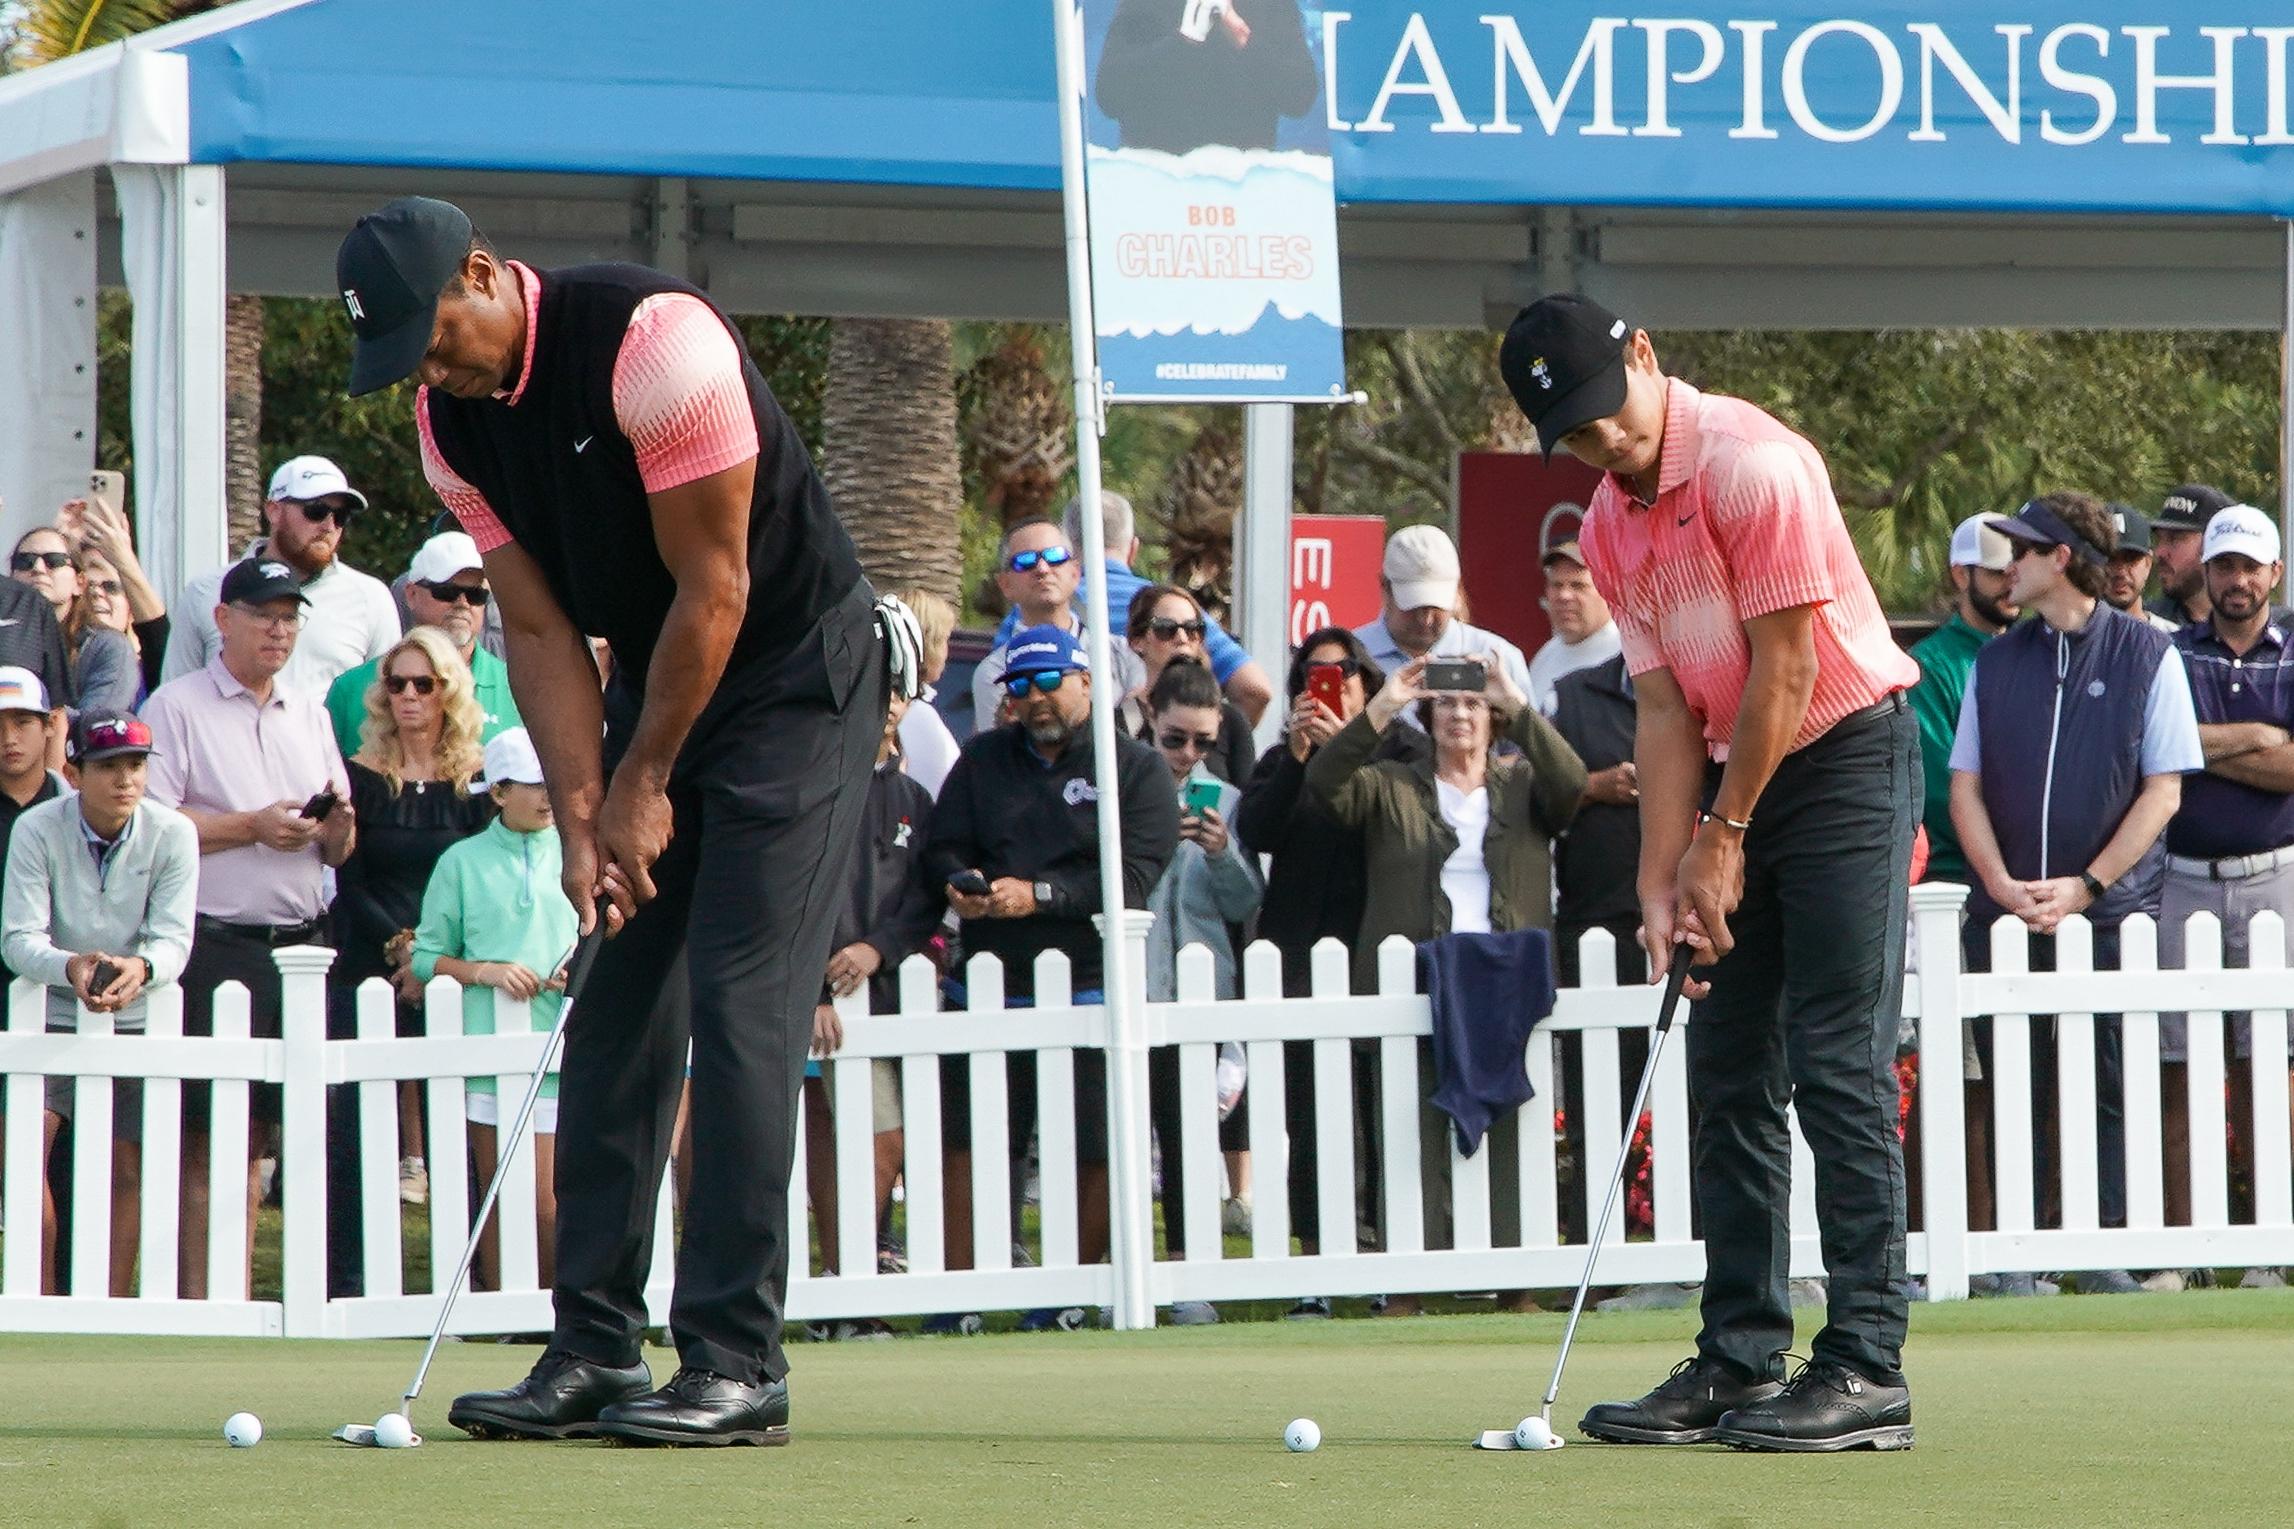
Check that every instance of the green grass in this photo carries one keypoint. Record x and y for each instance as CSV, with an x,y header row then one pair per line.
x,y
2142,1410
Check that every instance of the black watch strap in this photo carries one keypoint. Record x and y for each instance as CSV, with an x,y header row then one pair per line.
x,y
2094,886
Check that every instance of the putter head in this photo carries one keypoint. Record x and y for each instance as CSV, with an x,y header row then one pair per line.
x,y
1492,1438
361,1435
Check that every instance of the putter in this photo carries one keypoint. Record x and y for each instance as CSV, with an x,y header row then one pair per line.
x,y
1676,977
584,955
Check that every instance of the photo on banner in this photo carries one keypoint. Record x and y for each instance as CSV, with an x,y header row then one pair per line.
x,y
1214,228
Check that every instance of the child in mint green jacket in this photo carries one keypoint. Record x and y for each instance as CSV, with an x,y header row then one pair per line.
x,y
496,920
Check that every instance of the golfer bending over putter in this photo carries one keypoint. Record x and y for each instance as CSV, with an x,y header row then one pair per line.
x,y
604,436
1771,698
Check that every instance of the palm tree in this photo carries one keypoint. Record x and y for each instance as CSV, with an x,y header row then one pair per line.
x,y
1019,435
888,450
1201,499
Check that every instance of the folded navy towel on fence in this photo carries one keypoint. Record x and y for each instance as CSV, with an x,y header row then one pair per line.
x,y
1488,992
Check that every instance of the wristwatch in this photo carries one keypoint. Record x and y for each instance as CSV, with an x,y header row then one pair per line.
x,y
1042,890
2095,888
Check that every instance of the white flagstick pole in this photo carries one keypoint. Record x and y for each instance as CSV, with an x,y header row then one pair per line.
x,y
1129,1221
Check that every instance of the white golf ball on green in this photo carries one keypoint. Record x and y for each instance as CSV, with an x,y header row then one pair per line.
x,y
1534,1432
393,1431
243,1430
1302,1437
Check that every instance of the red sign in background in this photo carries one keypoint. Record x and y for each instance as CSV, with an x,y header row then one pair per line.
x,y
1333,571
1512,506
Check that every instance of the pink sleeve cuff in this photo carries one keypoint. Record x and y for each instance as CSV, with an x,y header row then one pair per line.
x,y
678,393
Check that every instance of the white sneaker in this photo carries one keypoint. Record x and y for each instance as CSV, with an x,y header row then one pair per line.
x,y
2262,1279
2165,1282
1235,1216
413,1181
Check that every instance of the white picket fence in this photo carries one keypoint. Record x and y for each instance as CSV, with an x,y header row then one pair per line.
x,y
1938,996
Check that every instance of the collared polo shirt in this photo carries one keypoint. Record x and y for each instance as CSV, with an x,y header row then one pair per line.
x,y
2221,817
215,748
1744,525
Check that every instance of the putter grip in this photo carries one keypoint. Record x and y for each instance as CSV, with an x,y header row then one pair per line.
x,y
585,956
1676,977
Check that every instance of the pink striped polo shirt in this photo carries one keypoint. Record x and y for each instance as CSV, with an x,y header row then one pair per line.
x,y
1744,524
677,395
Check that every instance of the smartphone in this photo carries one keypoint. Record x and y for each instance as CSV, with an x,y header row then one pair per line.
x,y
101,979
1456,674
1202,796
972,883
110,487
317,808
1327,684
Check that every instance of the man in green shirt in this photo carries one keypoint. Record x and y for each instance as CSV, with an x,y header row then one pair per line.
x,y
1981,560
446,589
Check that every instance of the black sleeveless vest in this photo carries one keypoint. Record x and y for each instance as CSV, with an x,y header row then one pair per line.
x,y
562,477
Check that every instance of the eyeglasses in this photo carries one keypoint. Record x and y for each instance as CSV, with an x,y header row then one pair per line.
x,y
1165,628
1347,667
285,621
318,511
420,684
25,562
472,594
1174,739
106,586
1042,681
1050,557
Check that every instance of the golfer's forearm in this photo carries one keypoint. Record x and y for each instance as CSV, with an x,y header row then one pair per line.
x,y
687,663
1978,845
1776,694
1669,762
554,679
2138,830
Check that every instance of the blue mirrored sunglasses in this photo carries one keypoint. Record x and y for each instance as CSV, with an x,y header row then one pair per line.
x,y
1045,680
1050,557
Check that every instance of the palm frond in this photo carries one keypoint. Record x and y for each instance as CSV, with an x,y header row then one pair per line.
x,y
53,29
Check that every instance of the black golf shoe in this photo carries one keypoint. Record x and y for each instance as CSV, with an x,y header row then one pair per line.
x,y
559,1399
1825,1406
702,1407
1684,1409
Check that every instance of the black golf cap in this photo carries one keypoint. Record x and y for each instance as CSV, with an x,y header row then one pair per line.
x,y
2189,506
1564,361
258,580
390,270
2134,531
2041,526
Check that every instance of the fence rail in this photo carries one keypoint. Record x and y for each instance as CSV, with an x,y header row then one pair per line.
x,y
1467,1244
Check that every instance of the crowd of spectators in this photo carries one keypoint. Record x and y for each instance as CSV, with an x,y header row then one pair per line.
x,y
299,753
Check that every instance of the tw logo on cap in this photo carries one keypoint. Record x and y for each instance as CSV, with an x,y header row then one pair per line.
x,y
351,302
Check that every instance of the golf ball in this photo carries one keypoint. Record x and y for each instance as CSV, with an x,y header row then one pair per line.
x,y
393,1431
243,1430
1302,1437
1534,1433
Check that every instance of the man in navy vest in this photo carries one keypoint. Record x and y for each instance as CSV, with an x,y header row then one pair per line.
x,y
603,435
2073,739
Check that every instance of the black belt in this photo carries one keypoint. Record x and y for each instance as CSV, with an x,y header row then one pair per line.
x,y
1890,704
303,933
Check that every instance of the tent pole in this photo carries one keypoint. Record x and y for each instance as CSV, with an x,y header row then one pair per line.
x,y
1262,545
1130,1221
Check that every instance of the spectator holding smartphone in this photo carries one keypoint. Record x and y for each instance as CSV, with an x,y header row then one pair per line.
x,y
100,892
117,596
101,662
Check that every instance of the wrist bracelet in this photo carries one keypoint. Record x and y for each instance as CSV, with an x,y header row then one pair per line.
x,y
2093,884
1741,825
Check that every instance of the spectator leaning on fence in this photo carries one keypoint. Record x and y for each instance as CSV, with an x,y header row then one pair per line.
x,y
1314,891
242,752
100,890
103,672
446,592
496,919
1167,624
350,617
1418,587
1020,810
1584,633
2073,739
2230,848
2176,533
892,914
1458,843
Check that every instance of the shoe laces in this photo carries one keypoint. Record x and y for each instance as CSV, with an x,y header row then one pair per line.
x,y
1812,1373
552,1361
1689,1376
690,1382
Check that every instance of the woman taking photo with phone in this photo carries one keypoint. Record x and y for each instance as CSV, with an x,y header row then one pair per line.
x,y
117,595
102,662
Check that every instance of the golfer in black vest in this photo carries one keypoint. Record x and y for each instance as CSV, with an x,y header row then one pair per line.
x,y
602,433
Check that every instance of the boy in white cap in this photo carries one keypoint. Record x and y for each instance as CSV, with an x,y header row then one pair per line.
x,y
1418,589
496,920
26,738
351,616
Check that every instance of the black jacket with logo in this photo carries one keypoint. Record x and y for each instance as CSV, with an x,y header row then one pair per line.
x,y
894,905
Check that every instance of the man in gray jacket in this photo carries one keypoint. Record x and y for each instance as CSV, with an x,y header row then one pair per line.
x,y
101,889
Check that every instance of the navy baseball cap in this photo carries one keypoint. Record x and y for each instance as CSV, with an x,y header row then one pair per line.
x,y
1044,649
390,270
260,579
2038,524
1563,359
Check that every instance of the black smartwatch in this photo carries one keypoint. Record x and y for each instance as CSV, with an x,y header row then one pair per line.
x,y
2095,888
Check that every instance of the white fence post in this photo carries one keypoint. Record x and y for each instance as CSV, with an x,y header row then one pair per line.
x,y
303,1137
1130,1163
1936,910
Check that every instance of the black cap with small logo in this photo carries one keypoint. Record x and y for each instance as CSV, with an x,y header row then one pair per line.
x,y
2134,531
258,580
2189,506
1564,360
390,270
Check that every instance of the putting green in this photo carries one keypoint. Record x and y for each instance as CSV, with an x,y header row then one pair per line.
x,y
2136,1410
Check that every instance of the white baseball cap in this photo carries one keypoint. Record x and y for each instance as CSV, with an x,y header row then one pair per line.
x,y
21,690
1422,566
306,478
2242,529
510,760
1974,544
443,556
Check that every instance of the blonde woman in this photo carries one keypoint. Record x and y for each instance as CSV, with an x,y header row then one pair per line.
x,y
418,753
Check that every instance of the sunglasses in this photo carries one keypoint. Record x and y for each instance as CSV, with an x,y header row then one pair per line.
x,y
1042,681
318,511
470,594
106,586
115,733
1174,739
1347,667
25,562
1165,628
1050,557
420,684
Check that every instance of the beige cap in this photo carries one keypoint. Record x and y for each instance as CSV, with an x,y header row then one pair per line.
x,y
1422,568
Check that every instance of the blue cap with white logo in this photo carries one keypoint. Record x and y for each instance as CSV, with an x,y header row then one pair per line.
x,y
1045,649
